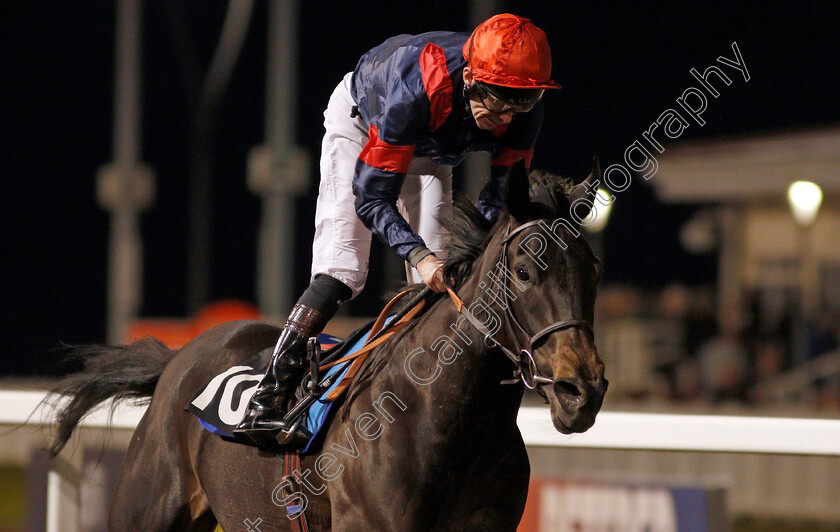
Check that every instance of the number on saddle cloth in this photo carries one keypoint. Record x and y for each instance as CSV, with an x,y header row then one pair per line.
x,y
221,403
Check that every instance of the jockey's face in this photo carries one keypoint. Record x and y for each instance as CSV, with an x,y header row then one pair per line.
x,y
488,111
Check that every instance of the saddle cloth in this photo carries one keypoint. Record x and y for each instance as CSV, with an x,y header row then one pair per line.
x,y
221,403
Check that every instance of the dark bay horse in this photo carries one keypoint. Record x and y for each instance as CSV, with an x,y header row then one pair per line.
x,y
427,437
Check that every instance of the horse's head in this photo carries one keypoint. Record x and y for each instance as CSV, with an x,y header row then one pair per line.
x,y
551,296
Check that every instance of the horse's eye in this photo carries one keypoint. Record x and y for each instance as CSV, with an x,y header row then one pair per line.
x,y
522,274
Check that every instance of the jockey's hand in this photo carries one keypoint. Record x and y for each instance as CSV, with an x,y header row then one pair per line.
x,y
431,269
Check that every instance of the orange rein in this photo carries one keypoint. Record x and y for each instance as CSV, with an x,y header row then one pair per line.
x,y
361,355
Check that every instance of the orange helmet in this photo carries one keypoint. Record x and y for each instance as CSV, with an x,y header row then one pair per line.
x,y
509,51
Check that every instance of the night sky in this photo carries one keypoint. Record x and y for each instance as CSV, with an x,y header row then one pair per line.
x,y
620,66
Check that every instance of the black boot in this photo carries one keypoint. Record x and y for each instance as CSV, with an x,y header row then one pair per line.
x,y
264,418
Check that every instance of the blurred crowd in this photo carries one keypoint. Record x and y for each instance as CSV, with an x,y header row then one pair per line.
x,y
675,344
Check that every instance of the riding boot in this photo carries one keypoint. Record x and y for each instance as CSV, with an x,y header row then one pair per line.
x,y
264,417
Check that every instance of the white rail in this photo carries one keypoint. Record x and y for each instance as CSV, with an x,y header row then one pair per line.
x,y
612,430
676,432
791,445
17,407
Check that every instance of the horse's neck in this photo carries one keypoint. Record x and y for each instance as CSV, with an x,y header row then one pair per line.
x,y
452,363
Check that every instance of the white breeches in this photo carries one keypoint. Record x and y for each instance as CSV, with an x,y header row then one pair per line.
x,y
341,247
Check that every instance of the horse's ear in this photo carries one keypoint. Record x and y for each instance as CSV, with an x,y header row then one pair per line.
x,y
588,187
517,192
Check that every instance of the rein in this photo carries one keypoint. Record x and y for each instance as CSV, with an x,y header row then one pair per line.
x,y
379,334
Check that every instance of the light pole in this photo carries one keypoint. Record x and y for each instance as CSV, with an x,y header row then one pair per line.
x,y
805,198
279,170
126,186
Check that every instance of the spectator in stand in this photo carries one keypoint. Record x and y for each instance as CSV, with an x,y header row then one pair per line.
x,y
723,362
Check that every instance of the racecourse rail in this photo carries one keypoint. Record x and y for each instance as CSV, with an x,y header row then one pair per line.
x,y
612,430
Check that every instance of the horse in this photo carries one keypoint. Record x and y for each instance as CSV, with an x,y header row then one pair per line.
x,y
426,437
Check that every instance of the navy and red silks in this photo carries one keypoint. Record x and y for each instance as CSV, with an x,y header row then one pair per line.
x,y
409,91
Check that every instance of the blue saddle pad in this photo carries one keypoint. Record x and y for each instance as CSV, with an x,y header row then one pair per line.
x,y
222,401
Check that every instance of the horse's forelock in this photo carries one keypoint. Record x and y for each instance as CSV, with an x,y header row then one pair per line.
x,y
550,191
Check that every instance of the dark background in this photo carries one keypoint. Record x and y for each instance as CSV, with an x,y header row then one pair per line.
x,y
620,65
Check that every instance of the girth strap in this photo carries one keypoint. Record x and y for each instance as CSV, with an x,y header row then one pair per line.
x,y
295,512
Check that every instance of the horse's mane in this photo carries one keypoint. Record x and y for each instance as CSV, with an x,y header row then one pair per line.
x,y
468,234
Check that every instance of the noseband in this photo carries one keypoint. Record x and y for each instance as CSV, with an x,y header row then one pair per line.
x,y
521,356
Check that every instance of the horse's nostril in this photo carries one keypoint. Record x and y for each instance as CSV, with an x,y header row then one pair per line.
x,y
567,388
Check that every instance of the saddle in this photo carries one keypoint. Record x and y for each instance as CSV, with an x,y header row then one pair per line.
x,y
222,401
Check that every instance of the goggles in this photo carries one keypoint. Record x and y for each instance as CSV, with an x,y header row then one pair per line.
x,y
496,104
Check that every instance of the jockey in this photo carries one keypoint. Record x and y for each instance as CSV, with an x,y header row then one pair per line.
x,y
395,127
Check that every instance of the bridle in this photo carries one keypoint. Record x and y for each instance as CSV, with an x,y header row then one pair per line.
x,y
522,356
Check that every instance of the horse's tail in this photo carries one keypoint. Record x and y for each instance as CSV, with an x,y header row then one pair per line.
x,y
118,373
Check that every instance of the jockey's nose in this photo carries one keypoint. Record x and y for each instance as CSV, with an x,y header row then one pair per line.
x,y
506,117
